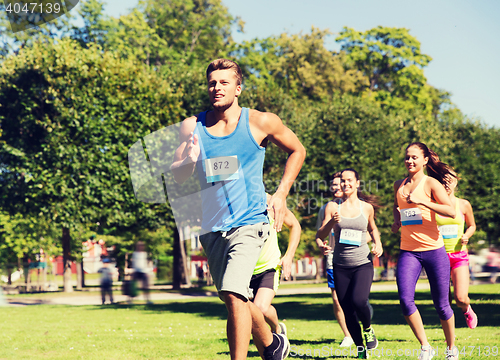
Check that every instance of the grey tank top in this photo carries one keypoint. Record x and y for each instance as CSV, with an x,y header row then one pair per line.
x,y
351,248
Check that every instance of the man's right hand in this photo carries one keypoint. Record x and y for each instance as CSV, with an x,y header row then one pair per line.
x,y
192,150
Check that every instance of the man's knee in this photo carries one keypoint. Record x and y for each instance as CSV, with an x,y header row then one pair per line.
x,y
233,300
263,307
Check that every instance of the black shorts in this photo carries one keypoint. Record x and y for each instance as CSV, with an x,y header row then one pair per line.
x,y
268,279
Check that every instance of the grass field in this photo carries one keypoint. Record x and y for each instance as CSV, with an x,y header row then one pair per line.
x,y
196,329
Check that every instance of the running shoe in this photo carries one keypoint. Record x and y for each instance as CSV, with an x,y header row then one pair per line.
x,y
425,353
347,342
370,338
470,318
283,328
280,352
452,357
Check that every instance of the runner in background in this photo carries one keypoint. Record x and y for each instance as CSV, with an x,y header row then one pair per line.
x,y
417,199
270,266
455,243
353,266
326,247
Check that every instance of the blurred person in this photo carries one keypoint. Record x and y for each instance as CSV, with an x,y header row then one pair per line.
x,y
492,264
140,266
106,280
455,243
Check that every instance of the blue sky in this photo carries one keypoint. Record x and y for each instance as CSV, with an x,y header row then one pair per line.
x,y
462,37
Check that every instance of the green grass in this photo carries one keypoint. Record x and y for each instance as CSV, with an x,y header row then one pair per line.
x,y
195,329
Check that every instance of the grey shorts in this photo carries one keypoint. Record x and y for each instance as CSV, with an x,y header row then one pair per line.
x,y
232,256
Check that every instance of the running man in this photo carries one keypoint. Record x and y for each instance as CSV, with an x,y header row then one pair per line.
x,y
267,274
455,243
227,146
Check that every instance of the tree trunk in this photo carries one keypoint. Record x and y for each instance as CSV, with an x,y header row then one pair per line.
x,y
79,275
83,274
177,265
66,244
187,275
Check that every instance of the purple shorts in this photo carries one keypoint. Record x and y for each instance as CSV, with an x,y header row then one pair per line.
x,y
459,258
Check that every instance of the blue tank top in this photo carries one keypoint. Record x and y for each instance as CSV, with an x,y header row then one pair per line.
x,y
230,175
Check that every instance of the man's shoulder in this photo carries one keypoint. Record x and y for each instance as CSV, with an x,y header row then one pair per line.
x,y
256,116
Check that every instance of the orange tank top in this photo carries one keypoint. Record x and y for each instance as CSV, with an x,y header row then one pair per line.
x,y
419,231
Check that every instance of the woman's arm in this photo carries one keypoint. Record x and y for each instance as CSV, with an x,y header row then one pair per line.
x,y
331,218
470,222
377,249
443,206
395,208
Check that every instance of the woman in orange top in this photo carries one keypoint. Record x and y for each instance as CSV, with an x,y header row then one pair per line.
x,y
417,199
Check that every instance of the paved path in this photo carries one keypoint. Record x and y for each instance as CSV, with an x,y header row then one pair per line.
x,y
78,299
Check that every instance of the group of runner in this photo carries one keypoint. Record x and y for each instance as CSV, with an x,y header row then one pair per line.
x,y
226,148
432,221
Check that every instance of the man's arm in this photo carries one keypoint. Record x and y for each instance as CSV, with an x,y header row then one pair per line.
x,y
187,153
286,261
274,129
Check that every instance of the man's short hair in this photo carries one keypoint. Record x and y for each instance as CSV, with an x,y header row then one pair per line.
x,y
225,64
338,174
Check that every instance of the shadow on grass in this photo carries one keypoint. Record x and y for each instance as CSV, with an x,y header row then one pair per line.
x,y
387,310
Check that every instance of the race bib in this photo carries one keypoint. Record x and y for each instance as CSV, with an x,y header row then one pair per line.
x,y
411,216
221,168
351,237
449,231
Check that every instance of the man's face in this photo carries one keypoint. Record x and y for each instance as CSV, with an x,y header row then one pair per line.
x,y
223,88
336,189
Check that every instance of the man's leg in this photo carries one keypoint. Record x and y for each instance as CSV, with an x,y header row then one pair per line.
x,y
239,324
263,301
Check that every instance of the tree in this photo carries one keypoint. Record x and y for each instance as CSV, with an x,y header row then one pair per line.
x,y
69,116
393,63
299,64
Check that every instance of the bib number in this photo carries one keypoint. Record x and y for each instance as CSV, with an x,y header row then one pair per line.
x,y
449,231
411,216
221,168
351,237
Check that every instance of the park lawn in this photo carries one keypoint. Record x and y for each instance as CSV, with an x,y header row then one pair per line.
x,y
195,329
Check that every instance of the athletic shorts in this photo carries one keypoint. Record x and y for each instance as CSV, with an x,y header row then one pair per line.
x,y
329,276
269,279
232,256
459,258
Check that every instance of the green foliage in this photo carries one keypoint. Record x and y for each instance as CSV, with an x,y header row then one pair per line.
x,y
191,30
393,63
299,64
73,100
69,116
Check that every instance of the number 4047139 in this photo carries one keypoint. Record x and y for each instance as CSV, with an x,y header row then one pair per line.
x,y
475,350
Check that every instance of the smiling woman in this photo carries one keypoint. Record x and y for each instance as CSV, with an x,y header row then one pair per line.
x,y
417,199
